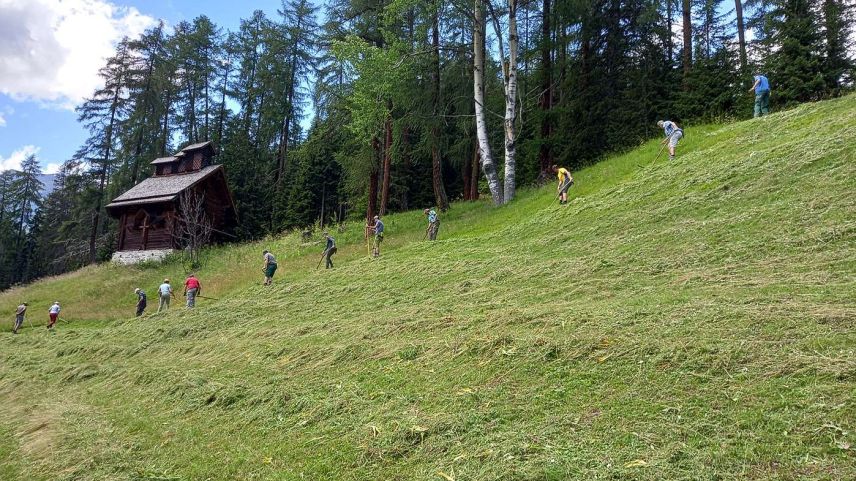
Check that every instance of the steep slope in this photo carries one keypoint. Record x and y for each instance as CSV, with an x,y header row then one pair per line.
x,y
685,320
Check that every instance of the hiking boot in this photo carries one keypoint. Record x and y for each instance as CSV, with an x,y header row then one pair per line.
x,y
671,157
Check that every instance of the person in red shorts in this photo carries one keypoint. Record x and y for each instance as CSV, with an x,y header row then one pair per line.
x,y
53,312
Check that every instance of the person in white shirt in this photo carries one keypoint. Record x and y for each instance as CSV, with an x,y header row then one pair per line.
x,y
53,312
165,294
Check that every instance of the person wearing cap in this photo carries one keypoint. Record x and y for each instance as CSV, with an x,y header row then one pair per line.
x,y
192,288
433,223
53,312
377,228
269,266
673,135
141,301
329,250
164,294
19,317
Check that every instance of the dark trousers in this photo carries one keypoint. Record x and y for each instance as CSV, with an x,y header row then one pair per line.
x,y
328,257
141,306
19,321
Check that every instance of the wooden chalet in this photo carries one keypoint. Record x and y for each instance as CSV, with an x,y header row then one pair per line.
x,y
147,212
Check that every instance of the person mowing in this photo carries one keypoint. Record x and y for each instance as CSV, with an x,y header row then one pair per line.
x,y
329,250
53,313
566,180
433,224
269,267
141,301
20,312
165,294
761,87
192,288
673,135
377,228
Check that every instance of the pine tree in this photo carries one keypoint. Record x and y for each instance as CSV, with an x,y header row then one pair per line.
x,y
795,64
838,21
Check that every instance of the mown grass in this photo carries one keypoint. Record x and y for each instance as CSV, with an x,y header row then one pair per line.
x,y
688,320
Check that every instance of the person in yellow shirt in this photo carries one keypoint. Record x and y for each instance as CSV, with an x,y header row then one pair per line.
x,y
566,180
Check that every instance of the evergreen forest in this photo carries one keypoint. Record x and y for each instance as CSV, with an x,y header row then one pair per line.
x,y
347,109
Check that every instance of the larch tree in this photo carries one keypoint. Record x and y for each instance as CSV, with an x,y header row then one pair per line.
x,y
101,114
440,198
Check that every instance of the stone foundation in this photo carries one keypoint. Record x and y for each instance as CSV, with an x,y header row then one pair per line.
x,y
135,257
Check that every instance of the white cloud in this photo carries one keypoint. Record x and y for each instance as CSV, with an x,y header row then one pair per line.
x,y
13,162
51,168
51,50
2,120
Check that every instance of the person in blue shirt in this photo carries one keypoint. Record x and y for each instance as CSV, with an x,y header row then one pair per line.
x,y
329,250
673,135
377,228
433,224
761,87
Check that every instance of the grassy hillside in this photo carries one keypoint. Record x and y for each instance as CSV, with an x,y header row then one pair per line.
x,y
688,320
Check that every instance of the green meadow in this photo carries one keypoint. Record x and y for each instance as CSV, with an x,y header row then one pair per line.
x,y
686,320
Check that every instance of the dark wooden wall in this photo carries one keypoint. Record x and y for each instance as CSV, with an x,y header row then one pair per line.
x,y
147,227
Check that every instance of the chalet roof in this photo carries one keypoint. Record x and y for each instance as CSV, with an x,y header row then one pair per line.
x,y
164,160
150,200
161,187
200,145
178,155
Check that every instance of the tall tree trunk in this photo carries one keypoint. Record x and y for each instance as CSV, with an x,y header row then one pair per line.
x,y
138,152
670,48
467,170
191,94
474,177
286,124
440,198
406,164
222,114
478,92
373,181
207,136
688,39
741,38
102,181
387,165
167,104
511,105
545,101
138,148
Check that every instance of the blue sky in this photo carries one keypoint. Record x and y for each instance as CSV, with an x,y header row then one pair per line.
x,y
50,51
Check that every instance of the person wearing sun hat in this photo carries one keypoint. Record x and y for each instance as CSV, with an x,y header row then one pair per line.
x,y
165,293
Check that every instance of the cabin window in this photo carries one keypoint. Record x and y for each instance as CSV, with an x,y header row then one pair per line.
x,y
166,169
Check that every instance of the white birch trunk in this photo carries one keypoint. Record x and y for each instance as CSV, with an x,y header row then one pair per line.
x,y
511,104
488,165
